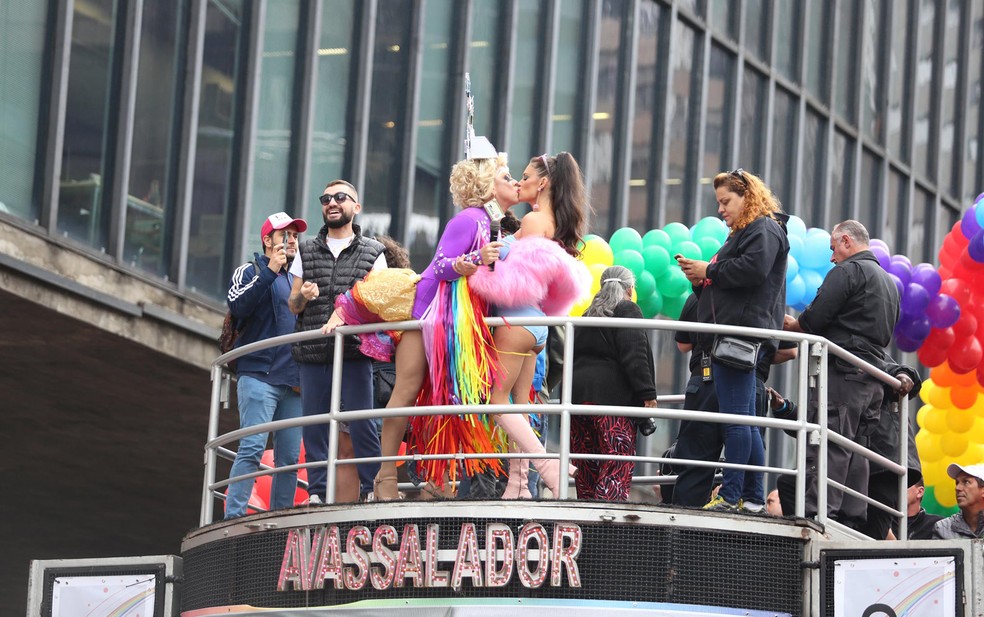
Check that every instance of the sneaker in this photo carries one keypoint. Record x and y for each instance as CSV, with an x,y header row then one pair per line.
x,y
751,507
314,500
718,504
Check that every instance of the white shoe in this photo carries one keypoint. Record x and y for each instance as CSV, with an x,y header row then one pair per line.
x,y
314,500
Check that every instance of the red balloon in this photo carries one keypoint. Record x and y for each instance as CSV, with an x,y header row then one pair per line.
x,y
980,374
958,289
965,355
941,338
931,356
966,327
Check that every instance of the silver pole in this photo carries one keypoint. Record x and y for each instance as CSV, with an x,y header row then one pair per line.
x,y
333,408
208,503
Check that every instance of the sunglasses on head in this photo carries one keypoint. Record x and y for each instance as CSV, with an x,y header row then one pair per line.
x,y
339,198
740,174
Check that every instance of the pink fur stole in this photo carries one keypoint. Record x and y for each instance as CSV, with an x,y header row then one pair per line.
x,y
536,272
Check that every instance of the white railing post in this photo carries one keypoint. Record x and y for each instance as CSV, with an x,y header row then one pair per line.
x,y
904,461
208,502
565,414
822,451
333,408
802,435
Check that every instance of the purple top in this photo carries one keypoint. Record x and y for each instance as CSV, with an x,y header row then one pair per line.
x,y
467,231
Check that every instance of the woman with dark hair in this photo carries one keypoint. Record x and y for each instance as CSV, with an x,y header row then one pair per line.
x,y
612,366
743,285
540,277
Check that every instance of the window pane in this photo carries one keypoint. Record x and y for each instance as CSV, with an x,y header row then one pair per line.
x,y
951,71
381,195
22,44
483,63
810,208
523,110
603,138
924,94
330,132
756,17
215,160
431,182
722,16
150,203
841,183
871,71
678,109
893,231
847,58
87,119
720,105
646,114
817,48
752,126
918,246
783,145
897,101
567,91
788,39
870,191
971,114
271,154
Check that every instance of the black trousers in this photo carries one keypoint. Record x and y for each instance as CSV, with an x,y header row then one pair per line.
x,y
700,441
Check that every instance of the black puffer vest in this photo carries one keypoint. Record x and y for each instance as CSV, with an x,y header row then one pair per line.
x,y
334,277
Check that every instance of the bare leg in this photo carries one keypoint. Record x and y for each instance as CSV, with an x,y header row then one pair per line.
x,y
347,478
410,369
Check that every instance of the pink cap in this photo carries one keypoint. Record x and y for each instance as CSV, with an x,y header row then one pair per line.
x,y
281,220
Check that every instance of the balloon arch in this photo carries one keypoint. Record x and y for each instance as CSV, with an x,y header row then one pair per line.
x,y
942,317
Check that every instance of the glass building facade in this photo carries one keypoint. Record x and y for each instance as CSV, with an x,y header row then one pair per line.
x,y
157,134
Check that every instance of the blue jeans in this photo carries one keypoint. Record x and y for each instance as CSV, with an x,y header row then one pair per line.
x,y
742,443
260,403
356,394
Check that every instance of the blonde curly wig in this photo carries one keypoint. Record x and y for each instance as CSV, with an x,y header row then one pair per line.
x,y
473,181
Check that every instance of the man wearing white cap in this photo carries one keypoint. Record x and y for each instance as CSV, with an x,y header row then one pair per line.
x,y
267,380
969,522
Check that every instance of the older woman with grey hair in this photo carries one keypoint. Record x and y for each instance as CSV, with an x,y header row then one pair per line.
x,y
612,366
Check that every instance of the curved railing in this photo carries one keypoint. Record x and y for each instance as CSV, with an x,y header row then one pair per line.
x,y
811,368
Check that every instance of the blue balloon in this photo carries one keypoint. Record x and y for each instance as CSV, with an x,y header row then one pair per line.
x,y
796,248
796,227
942,311
811,281
926,275
794,291
792,269
816,250
969,226
914,301
979,208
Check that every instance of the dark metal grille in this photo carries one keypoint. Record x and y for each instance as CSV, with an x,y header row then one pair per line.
x,y
618,562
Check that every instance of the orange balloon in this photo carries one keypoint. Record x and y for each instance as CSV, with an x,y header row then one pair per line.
x,y
963,398
966,379
942,375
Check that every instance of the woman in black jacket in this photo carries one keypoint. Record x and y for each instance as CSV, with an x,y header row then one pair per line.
x,y
612,366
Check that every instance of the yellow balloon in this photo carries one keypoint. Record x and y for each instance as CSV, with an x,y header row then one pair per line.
x,y
596,271
934,420
934,473
960,420
928,446
953,444
939,397
597,251
973,455
924,392
945,493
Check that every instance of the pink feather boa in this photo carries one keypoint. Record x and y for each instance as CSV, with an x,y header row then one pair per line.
x,y
536,272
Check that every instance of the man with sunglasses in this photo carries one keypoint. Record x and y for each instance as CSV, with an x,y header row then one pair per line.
x,y
326,266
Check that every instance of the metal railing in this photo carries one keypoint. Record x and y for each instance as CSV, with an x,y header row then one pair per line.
x,y
812,366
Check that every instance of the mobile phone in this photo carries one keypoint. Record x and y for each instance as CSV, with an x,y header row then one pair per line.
x,y
678,257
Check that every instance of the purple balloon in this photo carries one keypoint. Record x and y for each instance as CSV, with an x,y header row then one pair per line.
x,y
882,255
913,328
926,275
898,283
968,224
906,344
976,247
942,311
914,301
879,242
901,268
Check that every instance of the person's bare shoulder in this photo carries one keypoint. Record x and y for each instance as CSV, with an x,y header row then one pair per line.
x,y
537,224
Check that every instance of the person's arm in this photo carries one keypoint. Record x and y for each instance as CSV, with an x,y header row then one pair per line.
x,y
457,239
247,288
757,251
785,355
301,292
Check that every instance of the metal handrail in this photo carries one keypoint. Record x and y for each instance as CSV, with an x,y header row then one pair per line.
x,y
811,362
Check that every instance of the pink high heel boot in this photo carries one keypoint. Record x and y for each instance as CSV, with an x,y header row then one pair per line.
x,y
517,427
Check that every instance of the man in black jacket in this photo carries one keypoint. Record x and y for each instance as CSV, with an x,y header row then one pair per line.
x,y
856,307
325,267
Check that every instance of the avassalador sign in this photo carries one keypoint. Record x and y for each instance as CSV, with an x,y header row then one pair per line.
x,y
386,559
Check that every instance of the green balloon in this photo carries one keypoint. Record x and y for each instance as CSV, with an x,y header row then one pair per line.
x,y
710,227
688,249
645,285
678,232
657,237
589,236
651,305
657,260
708,247
673,283
625,239
933,507
632,260
673,305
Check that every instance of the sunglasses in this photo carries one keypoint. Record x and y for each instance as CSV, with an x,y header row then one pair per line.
x,y
339,198
740,174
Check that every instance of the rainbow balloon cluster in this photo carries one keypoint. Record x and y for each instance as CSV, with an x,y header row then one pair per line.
x,y
951,421
661,287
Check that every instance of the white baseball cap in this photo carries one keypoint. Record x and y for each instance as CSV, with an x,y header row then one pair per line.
x,y
971,470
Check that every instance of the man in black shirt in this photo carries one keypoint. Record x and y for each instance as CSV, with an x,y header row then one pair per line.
x,y
856,307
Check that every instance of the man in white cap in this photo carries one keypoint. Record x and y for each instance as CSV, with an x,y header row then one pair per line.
x,y
267,380
969,522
